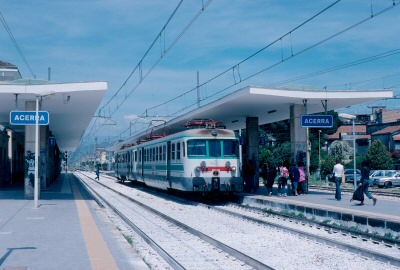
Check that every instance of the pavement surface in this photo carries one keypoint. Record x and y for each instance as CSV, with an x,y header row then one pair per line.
x,y
67,230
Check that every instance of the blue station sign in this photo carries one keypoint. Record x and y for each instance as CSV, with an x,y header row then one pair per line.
x,y
317,121
29,118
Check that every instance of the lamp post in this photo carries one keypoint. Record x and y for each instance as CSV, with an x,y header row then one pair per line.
x,y
36,189
319,153
352,117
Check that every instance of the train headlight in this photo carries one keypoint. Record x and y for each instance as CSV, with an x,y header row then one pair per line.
x,y
198,168
233,168
215,173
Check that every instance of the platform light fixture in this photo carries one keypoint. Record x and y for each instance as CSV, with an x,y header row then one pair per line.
x,y
346,116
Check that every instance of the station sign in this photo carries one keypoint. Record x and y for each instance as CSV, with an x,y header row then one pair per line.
x,y
29,118
317,121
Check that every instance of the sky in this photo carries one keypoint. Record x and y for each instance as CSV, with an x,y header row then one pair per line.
x,y
231,44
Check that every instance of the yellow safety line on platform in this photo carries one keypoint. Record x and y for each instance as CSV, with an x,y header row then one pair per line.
x,y
99,254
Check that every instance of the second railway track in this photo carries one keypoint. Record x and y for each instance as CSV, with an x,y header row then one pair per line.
x,y
241,232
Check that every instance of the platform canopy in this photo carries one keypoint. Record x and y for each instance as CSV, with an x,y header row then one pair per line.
x,y
71,106
269,105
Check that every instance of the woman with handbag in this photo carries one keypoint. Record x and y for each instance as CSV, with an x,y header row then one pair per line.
x,y
364,182
338,170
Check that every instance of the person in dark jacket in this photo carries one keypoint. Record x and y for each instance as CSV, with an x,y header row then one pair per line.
x,y
268,173
364,181
295,179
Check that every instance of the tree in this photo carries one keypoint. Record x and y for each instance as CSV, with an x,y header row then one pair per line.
x,y
379,157
327,165
266,157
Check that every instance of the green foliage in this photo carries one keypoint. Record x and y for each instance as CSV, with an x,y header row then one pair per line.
x,y
379,157
327,165
282,152
267,157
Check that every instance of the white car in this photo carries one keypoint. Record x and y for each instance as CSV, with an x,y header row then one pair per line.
x,y
378,174
392,180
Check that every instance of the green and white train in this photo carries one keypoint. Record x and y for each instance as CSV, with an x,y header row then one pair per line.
x,y
194,160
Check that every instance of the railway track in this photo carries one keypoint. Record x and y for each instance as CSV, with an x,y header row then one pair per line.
x,y
181,246
316,236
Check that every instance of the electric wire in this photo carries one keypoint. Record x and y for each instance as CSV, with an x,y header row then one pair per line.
x,y
165,51
14,41
273,65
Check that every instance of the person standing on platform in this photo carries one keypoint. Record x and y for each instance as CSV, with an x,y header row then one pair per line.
x,y
302,180
268,173
364,181
98,172
338,170
295,179
283,176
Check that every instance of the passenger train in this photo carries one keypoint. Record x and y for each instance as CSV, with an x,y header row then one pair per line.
x,y
194,160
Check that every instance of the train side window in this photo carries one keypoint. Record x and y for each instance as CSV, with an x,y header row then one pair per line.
x,y
160,152
157,154
178,150
164,152
173,151
140,155
135,156
183,149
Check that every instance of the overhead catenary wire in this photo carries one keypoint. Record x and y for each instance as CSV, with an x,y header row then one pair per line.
x,y
395,4
236,66
93,129
14,41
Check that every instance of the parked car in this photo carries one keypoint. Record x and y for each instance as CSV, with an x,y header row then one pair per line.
x,y
349,174
378,174
391,180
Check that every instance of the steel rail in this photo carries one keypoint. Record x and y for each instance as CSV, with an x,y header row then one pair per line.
x,y
231,251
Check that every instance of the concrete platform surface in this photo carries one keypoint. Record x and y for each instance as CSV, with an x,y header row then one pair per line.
x,y
68,230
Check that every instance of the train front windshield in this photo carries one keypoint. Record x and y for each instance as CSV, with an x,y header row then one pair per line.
x,y
213,148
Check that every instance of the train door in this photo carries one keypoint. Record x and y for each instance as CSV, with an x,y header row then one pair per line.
x,y
134,166
169,164
129,163
141,157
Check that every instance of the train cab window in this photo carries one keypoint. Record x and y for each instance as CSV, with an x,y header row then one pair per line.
x,y
183,149
173,151
164,152
178,151
196,148
231,148
215,148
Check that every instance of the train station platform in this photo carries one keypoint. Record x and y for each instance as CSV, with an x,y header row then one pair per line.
x,y
385,214
67,230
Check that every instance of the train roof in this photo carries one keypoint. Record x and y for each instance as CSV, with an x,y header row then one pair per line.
x,y
199,132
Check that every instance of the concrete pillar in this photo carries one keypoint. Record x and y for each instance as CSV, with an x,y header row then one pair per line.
x,y
252,146
298,134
